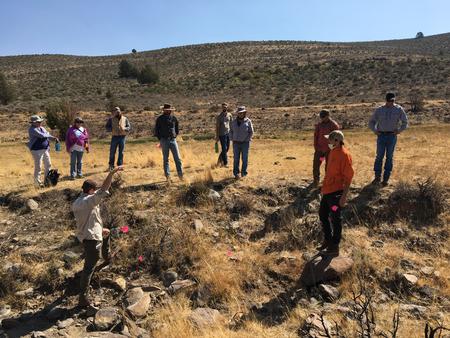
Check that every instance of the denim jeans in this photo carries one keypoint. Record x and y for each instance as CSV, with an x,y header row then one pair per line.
x,y
317,163
76,160
116,141
385,145
166,145
225,146
240,149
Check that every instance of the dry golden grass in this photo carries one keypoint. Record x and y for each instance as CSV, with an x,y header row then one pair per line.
x,y
422,151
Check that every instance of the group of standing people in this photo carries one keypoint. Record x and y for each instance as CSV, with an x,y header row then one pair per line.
x,y
386,122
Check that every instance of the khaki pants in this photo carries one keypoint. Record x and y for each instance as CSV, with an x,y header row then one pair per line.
x,y
92,249
317,163
38,157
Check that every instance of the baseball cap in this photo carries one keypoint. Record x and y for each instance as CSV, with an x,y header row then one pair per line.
x,y
336,135
390,96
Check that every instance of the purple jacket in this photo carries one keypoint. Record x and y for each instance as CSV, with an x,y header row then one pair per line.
x,y
76,136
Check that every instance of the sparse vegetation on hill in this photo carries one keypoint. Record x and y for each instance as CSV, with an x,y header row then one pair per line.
x,y
273,73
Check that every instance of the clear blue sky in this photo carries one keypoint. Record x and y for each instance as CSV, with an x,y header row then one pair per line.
x,y
104,27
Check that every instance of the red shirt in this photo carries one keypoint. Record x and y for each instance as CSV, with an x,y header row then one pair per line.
x,y
322,129
339,173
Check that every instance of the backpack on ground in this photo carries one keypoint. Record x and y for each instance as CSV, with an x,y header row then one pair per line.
x,y
52,178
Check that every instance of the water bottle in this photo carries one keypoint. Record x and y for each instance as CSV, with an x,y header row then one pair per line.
x,y
216,147
57,146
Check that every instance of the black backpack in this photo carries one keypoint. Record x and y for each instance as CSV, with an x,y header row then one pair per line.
x,y
52,178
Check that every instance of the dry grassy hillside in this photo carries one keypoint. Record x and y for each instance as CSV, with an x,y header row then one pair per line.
x,y
272,73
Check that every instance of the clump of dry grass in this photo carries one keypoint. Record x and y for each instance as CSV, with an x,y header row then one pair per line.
x,y
419,203
194,195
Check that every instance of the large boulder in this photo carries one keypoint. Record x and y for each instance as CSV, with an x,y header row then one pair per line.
x,y
106,318
322,269
137,302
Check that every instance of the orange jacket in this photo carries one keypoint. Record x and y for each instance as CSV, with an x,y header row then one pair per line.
x,y
339,172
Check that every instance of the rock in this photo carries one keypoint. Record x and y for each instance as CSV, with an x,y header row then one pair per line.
x,y
32,205
416,310
323,269
329,292
427,270
62,324
235,225
70,257
198,225
409,279
427,291
39,334
56,313
106,318
406,264
213,195
27,292
137,302
399,233
203,317
5,310
13,268
118,283
315,327
180,285
169,277
378,244
10,323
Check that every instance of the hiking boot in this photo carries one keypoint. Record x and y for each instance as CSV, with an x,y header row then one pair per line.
x,y
181,177
237,176
324,245
79,176
72,178
111,168
315,183
376,181
385,183
331,250
83,301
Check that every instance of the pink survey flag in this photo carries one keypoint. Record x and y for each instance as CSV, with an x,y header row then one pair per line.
x,y
140,259
124,229
229,253
334,208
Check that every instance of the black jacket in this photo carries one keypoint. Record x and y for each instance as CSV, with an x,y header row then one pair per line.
x,y
166,127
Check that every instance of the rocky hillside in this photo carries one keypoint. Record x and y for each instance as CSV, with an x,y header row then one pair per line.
x,y
272,73
228,260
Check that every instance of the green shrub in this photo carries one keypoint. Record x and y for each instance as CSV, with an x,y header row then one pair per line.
x,y
7,91
60,116
147,75
127,70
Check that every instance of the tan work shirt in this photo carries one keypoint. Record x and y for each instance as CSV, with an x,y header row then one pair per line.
x,y
87,215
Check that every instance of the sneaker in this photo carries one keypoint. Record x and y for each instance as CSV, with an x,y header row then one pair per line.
x,y
385,183
376,181
111,168
80,176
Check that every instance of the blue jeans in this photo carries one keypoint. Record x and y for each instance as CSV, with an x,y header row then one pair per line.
x,y
240,148
76,160
116,141
166,145
385,145
225,146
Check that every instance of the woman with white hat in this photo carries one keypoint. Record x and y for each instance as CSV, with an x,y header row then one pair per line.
x,y
39,146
